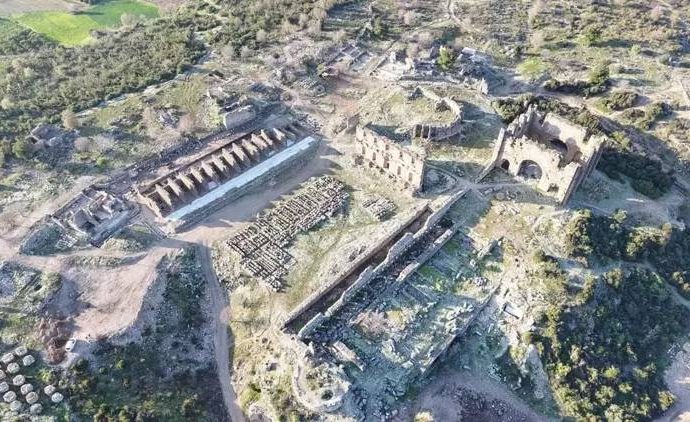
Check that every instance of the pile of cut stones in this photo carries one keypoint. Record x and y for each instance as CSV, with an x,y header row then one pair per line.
x,y
15,389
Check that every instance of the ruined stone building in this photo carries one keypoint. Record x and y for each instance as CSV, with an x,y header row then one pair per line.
x,y
551,151
94,214
437,132
226,172
404,164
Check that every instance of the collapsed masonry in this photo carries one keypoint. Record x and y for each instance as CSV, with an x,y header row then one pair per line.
x,y
262,247
437,132
401,314
548,149
95,214
89,218
189,193
404,164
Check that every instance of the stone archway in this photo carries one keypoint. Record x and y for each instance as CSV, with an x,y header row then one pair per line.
x,y
530,170
559,146
505,164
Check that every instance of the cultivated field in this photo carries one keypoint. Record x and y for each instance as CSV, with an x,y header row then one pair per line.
x,y
75,28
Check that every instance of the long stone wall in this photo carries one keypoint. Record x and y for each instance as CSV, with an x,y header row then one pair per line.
x,y
394,253
327,288
251,184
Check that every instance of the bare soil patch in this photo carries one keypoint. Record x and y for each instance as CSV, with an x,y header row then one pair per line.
x,y
463,396
11,7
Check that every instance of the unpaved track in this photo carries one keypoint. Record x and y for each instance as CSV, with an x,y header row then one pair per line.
x,y
220,311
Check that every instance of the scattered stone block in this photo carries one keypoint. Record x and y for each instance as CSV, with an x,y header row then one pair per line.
x,y
15,406
7,358
36,409
19,380
56,398
32,397
28,360
9,396
26,389
13,368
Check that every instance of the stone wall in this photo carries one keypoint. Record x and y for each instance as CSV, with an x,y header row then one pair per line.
x,y
324,290
239,117
403,164
437,132
394,253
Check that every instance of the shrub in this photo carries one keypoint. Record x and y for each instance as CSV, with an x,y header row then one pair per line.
x,y
620,100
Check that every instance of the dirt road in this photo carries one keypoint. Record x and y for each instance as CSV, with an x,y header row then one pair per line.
x,y
219,310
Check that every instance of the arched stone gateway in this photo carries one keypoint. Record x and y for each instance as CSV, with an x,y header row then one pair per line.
x,y
505,165
530,170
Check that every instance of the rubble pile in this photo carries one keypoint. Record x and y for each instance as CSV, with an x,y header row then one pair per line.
x,y
379,207
262,245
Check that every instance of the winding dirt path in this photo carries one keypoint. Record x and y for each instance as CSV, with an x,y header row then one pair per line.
x,y
220,311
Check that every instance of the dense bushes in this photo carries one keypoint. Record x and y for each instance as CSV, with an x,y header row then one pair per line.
x,y
597,83
646,175
252,23
52,80
15,39
604,354
601,237
620,100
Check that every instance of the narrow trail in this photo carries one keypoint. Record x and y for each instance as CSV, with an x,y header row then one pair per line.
x,y
220,311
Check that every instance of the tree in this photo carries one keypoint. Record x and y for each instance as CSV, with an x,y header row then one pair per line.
x,y
21,148
590,36
6,103
69,120
599,75
378,28
446,58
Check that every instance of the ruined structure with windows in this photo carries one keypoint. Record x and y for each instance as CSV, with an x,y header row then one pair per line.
x,y
549,150
402,163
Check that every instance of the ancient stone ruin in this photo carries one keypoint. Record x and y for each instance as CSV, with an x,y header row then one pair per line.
x,y
404,164
89,218
437,132
549,150
262,247
95,213
392,321
225,173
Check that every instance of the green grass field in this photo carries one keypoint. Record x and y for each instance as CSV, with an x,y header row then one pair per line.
x,y
74,29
